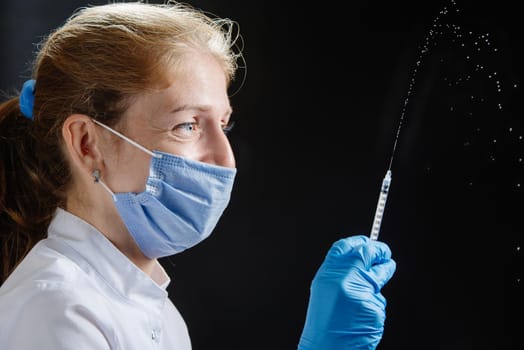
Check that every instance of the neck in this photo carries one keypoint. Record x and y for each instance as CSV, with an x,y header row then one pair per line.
x,y
105,218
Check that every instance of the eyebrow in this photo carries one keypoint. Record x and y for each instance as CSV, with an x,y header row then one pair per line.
x,y
202,108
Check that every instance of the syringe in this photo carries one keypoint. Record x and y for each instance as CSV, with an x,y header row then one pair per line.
x,y
381,205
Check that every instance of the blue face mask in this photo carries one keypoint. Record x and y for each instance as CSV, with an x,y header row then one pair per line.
x,y
181,205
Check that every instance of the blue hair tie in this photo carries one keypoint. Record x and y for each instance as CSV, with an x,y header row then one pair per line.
x,y
27,98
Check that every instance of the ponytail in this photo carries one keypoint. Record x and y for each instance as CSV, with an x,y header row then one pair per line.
x,y
26,201
95,64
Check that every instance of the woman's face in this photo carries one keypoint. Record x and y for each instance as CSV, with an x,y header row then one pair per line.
x,y
187,119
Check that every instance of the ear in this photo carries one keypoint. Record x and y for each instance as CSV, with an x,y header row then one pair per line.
x,y
82,143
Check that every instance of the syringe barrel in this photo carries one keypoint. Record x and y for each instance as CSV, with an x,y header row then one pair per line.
x,y
386,182
379,212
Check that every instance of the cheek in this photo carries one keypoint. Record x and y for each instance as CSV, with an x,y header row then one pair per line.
x,y
128,172
188,150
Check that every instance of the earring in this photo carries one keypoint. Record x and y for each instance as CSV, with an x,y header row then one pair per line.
x,y
96,175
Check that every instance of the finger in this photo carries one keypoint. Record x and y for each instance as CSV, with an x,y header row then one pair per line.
x,y
345,245
380,274
374,252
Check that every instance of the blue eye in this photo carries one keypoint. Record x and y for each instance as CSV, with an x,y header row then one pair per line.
x,y
227,128
186,130
191,127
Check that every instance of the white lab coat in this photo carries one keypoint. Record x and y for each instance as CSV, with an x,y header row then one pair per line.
x,y
76,290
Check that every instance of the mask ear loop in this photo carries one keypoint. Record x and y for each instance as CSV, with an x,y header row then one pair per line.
x,y
156,155
96,175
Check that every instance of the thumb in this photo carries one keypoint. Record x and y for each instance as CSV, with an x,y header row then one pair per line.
x,y
346,245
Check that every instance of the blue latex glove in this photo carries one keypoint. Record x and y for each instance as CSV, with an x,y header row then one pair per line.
x,y
346,309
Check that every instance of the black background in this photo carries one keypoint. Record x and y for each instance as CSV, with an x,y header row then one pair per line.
x,y
316,119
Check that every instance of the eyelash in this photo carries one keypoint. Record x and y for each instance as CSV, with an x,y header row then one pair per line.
x,y
226,129
183,125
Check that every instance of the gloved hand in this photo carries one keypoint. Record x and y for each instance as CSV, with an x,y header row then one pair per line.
x,y
346,309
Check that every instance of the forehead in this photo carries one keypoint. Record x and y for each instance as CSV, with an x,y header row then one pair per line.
x,y
198,80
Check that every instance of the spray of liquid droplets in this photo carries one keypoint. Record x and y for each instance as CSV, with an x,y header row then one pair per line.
x,y
386,182
474,238
476,50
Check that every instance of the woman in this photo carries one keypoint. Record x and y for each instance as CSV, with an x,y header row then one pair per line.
x,y
115,155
